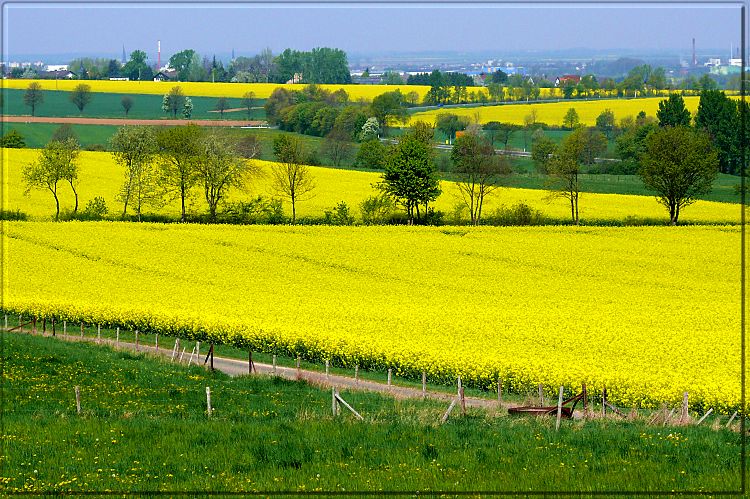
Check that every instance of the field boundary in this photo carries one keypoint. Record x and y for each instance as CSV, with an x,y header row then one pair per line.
x,y
127,121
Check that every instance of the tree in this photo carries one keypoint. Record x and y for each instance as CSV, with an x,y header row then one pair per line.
x,y
371,154
590,143
480,171
449,124
178,149
717,115
542,150
174,101
56,163
290,177
672,112
219,168
181,62
134,148
571,120
410,176
707,83
564,170
137,68
33,96
12,140
679,164
370,130
389,107
65,132
605,122
337,146
248,99
80,96
127,103
222,104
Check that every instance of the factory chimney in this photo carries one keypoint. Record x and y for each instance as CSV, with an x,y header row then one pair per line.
x,y
695,60
158,55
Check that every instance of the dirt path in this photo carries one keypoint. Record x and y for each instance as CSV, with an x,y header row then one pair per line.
x,y
126,121
234,367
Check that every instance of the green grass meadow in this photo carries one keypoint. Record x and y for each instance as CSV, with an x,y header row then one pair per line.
x,y
108,105
144,428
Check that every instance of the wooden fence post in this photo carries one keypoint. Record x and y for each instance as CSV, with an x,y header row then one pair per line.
x,y
328,375
251,364
208,401
448,411
390,373
274,364
500,390
174,349
156,343
6,321
33,325
78,399
684,412
463,400
585,400
424,384
299,370
117,337
54,333
559,409
44,326
334,402
356,375
81,329
183,354
137,347
459,386
212,356
98,333
604,401
704,416
731,419
192,353
345,404
541,395
65,328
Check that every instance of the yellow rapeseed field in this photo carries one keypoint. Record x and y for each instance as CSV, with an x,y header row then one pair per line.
x,y
208,89
552,113
101,176
647,312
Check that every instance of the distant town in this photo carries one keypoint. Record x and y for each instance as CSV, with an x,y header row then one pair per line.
x,y
677,72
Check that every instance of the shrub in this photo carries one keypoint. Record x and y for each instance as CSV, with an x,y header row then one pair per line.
x,y
518,214
371,154
376,210
13,215
12,140
339,215
95,147
259,210
95,209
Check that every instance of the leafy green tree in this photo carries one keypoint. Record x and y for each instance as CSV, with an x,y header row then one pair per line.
x,y
127,103
13,140
351,119
337,146
439,92
376,209
631,144
137,68
389,107
571,119
134,148
680,164
717,115
707,83
480,171
57,162
180,62
174,102
370,130
672,112
222,104
590,142
178,149
291,178
450,123
33,97
410,176
65,132
605,122
371,154
280,99
248,99
564,171
219,168
542,150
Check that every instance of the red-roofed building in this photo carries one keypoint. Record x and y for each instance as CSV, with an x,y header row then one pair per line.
x,y
562,80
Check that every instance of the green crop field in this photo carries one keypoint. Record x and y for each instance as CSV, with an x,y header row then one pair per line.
x,y
108,105
144,427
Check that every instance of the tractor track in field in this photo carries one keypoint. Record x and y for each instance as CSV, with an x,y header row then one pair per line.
x,y
128,121
236,367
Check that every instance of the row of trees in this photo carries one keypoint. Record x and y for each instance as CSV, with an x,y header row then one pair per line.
x,y
80,96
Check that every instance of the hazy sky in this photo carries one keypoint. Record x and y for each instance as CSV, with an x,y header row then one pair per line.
x,y
101,29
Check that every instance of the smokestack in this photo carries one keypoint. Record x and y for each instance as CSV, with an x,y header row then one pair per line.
x,y
158,55
695,60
